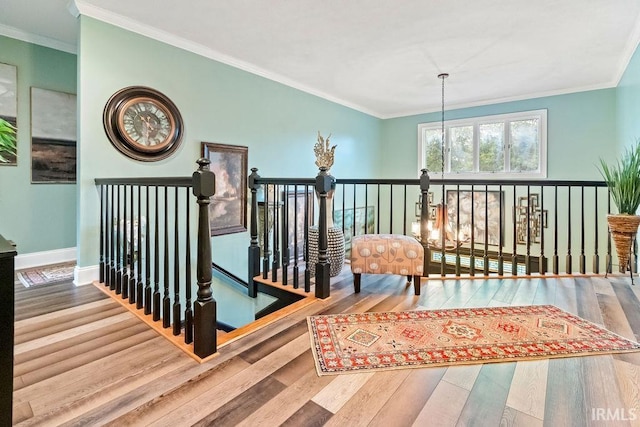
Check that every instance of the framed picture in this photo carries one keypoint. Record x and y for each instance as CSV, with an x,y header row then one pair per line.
x,y
296,218
361,221
537,220
53,136
228,208
486,213
8,111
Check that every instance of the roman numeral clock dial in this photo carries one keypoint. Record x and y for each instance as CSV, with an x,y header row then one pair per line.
x,y
142,123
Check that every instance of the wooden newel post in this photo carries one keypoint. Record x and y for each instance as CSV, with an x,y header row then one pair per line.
x,y
204,308
424,220
324,184
254,248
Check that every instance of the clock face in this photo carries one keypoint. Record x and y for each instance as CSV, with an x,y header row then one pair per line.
x,y
142,123
146,124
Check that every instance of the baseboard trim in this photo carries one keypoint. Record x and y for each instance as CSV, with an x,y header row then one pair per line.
x,y
37,259
86,275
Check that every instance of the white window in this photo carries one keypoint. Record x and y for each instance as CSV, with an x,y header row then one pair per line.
x,y
508,146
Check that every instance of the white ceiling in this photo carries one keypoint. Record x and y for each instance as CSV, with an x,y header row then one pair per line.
x,y
381,57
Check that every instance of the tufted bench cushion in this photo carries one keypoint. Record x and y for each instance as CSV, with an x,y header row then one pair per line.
x,y
386,254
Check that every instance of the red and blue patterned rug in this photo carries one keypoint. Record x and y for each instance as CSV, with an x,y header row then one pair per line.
x,y
348,343
46,275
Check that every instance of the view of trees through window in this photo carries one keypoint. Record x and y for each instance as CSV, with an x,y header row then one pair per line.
x,y
508,145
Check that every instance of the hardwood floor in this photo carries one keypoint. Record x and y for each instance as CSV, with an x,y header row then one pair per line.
x,y
82,359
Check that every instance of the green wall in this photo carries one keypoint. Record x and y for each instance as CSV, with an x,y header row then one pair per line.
x,y
218,104
628,103
38,217
580,128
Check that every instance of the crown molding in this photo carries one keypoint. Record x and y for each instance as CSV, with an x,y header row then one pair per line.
x,y
137,27
18,34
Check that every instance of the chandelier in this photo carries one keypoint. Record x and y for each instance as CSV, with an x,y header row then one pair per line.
x,y
441,234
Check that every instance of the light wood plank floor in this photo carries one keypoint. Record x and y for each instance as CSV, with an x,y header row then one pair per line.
x,y
82,359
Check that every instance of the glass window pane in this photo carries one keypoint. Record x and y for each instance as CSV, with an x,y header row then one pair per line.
x,y
461,138
491,138
432,150
524,153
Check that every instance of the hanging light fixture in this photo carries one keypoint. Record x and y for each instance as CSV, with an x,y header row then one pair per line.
x,y
441,232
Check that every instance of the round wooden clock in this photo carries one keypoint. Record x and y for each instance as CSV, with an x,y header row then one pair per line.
x,y
142,123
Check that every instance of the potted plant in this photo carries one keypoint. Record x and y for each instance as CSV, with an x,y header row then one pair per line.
x,y
7,140
623,180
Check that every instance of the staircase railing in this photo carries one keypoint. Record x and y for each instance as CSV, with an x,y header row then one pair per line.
x,y
513,227
145,251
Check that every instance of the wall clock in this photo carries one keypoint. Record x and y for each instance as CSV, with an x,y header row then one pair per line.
x,y
142,123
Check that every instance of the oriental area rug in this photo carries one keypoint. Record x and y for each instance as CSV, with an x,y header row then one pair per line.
x,y
348,343
46,275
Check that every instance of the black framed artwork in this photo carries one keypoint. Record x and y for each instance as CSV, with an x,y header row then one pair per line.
x,y
228,208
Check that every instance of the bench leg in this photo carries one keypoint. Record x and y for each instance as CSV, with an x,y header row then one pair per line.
x,y
416,284
409,279
356,282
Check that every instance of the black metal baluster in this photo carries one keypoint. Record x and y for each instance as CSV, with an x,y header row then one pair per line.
x,y
118,247
390,210
583,259
177,309
296,271
556,260
596,257
472,254
275,261
485,258
139,283
148,303
166,300
542,263
514,253
156,261
404,211
132,278
378,211
307,272
188,312
568,259
285,234
500,237
102,234
527,258
458,258
112,246
265,231
125,256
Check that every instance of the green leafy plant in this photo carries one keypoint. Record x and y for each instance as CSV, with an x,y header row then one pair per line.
x,y
623,180
7,140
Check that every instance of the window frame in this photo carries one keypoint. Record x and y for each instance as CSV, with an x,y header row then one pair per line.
x,y
506,118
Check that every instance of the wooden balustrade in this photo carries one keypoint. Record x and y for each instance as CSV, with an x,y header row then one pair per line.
x,y
151,269
514,227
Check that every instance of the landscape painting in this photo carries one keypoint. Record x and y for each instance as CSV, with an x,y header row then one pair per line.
x,y
8,111
228,208
53,136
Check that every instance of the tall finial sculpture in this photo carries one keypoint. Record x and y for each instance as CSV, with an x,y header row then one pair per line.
x,y
324,153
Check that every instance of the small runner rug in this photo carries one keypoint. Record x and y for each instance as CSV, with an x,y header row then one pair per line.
x,y
46,275
347,343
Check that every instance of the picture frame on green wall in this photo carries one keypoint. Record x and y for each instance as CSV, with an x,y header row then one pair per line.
x,y
53,136
228,207
8,115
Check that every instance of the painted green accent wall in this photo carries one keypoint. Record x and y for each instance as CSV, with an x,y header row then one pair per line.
x,y
219,104
37,217
581,128
628,103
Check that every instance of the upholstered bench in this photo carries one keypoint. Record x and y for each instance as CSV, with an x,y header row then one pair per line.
x,y
386,254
